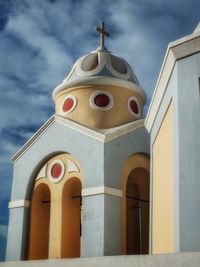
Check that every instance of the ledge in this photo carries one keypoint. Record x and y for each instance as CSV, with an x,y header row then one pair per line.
x,y
177,50
19,204
191,259
100,135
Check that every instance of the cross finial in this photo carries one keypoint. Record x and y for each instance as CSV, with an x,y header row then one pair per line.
x,y
103,33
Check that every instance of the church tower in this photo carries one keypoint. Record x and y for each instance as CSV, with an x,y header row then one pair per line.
x,y
81,183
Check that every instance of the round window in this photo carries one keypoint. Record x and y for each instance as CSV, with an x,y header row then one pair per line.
x,y
133,106
69,104
101,100
56,171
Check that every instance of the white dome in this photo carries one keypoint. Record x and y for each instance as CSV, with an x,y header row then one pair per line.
x,y
101,67
101,63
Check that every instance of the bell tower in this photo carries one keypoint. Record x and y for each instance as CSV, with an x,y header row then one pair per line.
x,y
81,183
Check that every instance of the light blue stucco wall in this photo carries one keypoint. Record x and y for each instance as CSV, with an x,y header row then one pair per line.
x,y
17,237
101,163
182,92
117,151
112,226
92,240
56,139
189,151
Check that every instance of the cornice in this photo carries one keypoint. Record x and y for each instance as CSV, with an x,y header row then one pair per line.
x,y
177,50
34,138
19,204
103,80
100,135
101,190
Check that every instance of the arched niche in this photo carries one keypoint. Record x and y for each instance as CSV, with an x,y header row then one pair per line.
x,y
71,218
62,175
135,205
39,227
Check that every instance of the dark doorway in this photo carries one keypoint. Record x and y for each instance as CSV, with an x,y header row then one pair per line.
x,y
137,212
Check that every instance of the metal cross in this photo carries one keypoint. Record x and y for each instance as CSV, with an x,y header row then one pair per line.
x,y
103,33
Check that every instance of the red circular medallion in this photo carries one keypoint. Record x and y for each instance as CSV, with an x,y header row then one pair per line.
x,y
56,170
68,104
134,106
101,100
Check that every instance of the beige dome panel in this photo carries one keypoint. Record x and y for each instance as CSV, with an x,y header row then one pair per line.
x,y
90,62
113,111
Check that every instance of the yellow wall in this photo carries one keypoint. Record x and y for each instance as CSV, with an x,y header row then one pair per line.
x,y
71,219
39,229
162,186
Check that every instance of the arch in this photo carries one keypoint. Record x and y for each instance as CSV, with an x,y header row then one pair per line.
x,y
135,205
62,175
36,169
39,227
71,218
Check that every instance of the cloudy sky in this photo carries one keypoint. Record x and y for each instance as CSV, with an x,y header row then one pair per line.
x,y
39,41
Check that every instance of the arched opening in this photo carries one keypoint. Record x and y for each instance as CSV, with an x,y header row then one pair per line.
x,y
135,205
137,212
39,223
71,218
55,216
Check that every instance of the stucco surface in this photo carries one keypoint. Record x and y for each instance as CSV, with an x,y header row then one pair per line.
x,y
183,91
189,150
162,171
172,260
100,162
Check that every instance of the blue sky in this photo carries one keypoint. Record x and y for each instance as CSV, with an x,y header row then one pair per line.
x,y
40,40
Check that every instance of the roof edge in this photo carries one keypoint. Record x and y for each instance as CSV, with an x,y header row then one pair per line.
x,y
34,138
176,50
100,81
101,135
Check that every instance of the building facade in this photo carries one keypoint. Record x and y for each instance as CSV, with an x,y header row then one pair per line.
x,y
81,183
173,124
97,179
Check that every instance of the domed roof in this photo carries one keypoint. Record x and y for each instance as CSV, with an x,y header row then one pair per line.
x,y
101,63
101,67
100,91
